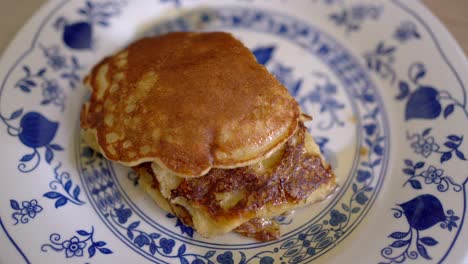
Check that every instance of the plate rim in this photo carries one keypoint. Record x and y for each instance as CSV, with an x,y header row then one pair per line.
x,y
445,38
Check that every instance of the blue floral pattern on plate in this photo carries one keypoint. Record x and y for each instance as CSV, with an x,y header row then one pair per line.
x,y
25,211
76,246
34,131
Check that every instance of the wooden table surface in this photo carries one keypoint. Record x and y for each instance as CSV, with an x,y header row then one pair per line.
x,y
453,13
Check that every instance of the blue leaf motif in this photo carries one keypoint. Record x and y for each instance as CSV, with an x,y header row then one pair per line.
x,y
183,260
398,235
400,243
454,137
417,71
76,192
264,54
408,171
210,253
408,163
52,195
181,250
83,233
25,88
49,155
27,70
105,251
152,248
422,251
134,225
55,147
449,110
445,157
460,155
429,241
36,130
426,132
130,234
451,145
415,184
423,104
154,235
14,205
91,251
68,185
404,90
41,72
16,114
419,165
27,157
61,202
100,244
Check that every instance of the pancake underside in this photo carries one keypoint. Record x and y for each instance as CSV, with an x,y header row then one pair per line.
x,y
245,199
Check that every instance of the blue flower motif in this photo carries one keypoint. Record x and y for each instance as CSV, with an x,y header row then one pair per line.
x,y
358,12
54,59
337,218
30,208
123,214
432,175
406,31
166,245
27,210
361,198
73,247
267,260
330,88
425,146
52,93
324,95
353,17
225,258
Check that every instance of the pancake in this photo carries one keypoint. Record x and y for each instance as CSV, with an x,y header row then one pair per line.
x,y
214,137
187,102
238,199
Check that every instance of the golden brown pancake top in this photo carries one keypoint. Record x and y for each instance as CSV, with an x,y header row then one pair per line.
x,y
188,101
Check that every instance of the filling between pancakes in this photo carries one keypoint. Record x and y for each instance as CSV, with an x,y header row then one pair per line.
x,y
244,199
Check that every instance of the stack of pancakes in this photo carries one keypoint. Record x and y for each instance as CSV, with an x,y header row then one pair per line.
x,y
214,137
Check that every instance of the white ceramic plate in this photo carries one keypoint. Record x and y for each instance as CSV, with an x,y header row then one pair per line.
x,y
383,79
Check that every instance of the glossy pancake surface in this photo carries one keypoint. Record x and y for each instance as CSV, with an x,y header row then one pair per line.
x,y
188,102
